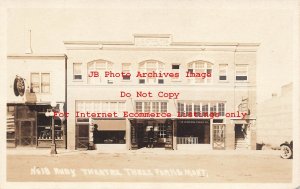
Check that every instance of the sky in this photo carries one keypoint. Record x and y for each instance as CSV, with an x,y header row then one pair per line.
x,y
270,24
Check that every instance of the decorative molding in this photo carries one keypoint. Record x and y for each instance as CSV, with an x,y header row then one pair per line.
x,y
160,42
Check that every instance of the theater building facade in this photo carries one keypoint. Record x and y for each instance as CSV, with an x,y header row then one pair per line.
x,y
192,95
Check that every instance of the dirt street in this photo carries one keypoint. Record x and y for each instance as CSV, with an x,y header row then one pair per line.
x,y
229,167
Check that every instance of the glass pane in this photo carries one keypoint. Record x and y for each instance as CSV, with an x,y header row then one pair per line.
x,y
77,68
155,106
164,107
138,106
113,107
45,88
100,65
121,106
204,107
35,78
146,106
199,65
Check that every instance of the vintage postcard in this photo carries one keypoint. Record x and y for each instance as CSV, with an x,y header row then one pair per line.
x,y
150,94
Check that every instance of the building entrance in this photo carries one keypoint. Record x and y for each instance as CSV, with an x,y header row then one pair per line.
x,y
151,134
27,133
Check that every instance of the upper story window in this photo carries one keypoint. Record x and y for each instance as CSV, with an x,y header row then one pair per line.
x,y
176,71
223,72
77,71
40,82
241,72
199,72
98,68
150,67
126,70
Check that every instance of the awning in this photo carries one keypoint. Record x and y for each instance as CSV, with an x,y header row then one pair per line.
x,y
110,125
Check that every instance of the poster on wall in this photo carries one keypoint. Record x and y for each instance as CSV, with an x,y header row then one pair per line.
x,y
150,94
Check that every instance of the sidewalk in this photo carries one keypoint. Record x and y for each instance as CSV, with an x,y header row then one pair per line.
x,y
62,152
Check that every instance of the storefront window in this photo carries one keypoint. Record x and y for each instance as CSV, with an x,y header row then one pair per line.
x,y
110,137
193,132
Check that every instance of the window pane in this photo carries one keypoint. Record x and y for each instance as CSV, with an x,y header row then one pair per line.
x,y
223,78
138,106
45,82
221,107
241,78
164,107
146,106
121,106
155,106
180,108
199,65
204,107
189,108
113,107
77,68
197,108
105,107
213,108
35,82
175,66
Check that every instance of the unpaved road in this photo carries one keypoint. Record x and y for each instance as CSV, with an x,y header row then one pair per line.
x,y
150,167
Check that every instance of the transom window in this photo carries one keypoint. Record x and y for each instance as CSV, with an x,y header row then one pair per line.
x,y
196,108
201,69
151,66
147,106
100,67
100,106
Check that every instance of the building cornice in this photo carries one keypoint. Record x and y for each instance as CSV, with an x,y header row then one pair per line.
x,y
36,56
152,42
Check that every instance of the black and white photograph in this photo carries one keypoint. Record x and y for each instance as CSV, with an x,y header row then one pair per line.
x,y
150,94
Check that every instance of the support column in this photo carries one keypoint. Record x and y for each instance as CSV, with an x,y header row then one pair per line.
x,y
71,130
174,134
134,144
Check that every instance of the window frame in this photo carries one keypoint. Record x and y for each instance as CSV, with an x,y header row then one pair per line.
x,y
193,67
154,105
246,75
126,71
100,80
40,82
144,66
81,71
226,72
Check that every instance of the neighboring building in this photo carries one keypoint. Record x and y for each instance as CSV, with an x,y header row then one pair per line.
x,y
230,89
274,118
34,81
